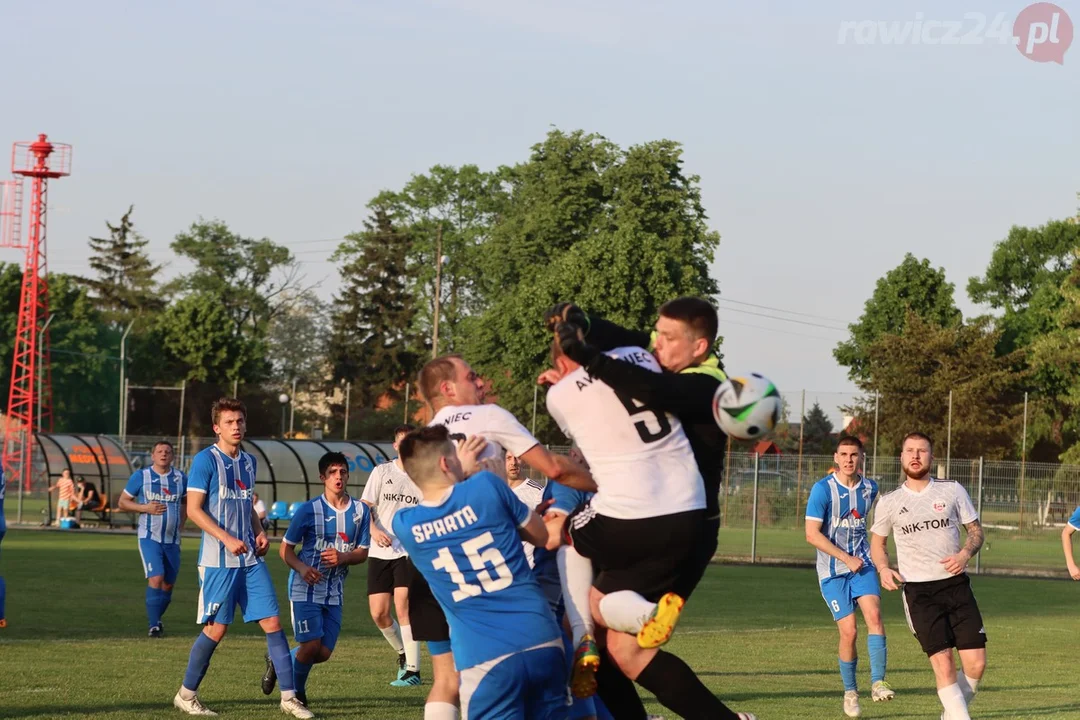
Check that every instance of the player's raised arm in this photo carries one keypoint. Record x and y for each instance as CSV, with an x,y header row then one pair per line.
x,y
559,468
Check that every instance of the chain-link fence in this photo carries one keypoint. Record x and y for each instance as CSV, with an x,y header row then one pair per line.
x,y
1023,507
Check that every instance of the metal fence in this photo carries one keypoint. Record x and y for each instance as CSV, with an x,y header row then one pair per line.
x,y
1023,507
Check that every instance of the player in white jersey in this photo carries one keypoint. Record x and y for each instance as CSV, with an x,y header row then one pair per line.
x,y
648,486
455,394
924,515
231,567
158,493
388,490
837,513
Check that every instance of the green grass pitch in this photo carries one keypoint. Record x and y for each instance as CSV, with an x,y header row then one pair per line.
x,y
760,637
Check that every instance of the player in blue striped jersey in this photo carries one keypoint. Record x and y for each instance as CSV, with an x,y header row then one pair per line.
x,y
157,493
836,524
3,529
332,532
465,538
231,568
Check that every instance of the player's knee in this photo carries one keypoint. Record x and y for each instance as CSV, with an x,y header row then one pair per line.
x,y
849,632
215,631
310,652
156,582
270,625
974,666
324,654
381,617
166,587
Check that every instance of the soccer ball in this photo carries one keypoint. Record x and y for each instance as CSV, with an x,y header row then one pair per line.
x,y
746,408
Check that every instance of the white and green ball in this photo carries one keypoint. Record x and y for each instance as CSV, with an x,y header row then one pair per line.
x,y
748,407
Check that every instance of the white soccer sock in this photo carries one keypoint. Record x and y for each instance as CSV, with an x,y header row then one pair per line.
x,y
626,611
576,576
412,649
287,695
968,685
393,636
440,711
952,699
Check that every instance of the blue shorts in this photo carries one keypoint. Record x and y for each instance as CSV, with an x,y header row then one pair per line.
x,y
581,707
529,684
160,559
312,621
841,592
222,589
438,647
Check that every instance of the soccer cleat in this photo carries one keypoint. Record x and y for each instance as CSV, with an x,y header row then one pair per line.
x,y
297,709
851,703
193,706
3,623
658,628
409,679
586,663
881,691
269,678
156,631
401,666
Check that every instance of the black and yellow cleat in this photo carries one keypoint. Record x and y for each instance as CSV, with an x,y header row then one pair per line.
x,y
658,629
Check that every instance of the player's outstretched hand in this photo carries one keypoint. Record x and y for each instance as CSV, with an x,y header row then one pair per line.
x,y
380,538
312,576
155,508
1074,571
854,564
332,558
956,564
572,342
564,312
890,579
468,451
262,544
235,546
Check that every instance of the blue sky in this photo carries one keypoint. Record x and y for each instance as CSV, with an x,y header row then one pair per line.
x,y
821,163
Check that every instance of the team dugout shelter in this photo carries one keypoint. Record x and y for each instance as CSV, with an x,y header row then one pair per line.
x,y
287,470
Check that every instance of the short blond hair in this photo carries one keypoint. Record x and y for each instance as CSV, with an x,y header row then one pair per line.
x,y
434,374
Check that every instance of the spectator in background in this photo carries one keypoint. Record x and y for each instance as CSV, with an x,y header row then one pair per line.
x,y
66,489
260,509
87,497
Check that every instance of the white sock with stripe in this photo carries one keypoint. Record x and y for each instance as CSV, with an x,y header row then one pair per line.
x,y
576,577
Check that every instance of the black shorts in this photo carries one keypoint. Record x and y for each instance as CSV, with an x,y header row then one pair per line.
x,y
383,576
646,555
943,614
426,616
699,560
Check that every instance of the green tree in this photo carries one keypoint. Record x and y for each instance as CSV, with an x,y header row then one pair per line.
x,y
372,344
250,278
915,371
458,205
1056,357
126,280
204,344
911,287
645,242
817,432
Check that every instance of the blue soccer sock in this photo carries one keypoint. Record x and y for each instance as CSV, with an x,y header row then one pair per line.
x,y
199,661
166,598
3,596
153,605
878,656
847,673
279,656
300,672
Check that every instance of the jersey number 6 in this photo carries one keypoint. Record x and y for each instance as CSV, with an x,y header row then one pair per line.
x,y
636,408
479,559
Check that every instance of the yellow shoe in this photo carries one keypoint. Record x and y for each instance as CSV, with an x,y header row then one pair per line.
x,y
586,663
658,629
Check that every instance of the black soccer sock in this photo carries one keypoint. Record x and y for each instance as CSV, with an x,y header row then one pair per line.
x,y
618,692
678,689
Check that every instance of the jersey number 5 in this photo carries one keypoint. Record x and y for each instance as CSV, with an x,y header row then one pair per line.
x,y
479,558
636,408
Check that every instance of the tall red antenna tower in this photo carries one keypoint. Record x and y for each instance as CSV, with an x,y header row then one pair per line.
x,y
29,407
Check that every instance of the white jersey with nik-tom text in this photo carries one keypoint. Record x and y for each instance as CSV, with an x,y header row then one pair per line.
x,y
388,490
925,526
498,426
530,492
640,459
